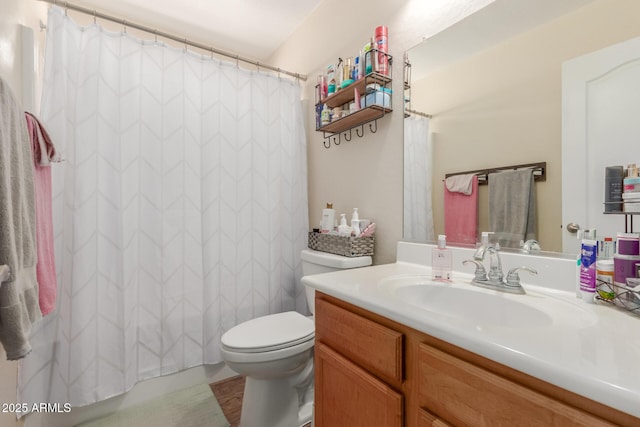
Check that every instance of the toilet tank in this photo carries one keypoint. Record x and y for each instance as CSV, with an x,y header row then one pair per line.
x,y
316,262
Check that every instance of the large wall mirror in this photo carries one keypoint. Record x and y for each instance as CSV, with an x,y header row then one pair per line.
x,y
492,85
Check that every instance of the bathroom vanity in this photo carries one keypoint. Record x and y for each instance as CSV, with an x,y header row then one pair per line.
x,y
385,357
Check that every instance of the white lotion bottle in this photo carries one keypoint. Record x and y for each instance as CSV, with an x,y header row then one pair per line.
x,y
441,261
343,229
328,219
355,222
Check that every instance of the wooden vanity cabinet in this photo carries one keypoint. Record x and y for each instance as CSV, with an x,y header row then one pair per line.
x,y
355,361
371,371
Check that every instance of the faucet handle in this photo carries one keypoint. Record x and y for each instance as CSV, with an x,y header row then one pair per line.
x,y
481,273
513,279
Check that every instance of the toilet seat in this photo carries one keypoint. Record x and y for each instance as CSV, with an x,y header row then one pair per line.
x,y
269,337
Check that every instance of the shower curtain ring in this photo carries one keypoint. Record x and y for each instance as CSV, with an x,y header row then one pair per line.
x,y
94,17
124,26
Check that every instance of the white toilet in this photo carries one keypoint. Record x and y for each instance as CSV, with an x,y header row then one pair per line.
x,y
275,354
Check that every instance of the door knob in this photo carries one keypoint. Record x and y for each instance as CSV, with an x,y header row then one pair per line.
x,y
573,228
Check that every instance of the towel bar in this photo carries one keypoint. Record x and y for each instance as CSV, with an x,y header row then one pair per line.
x,y
539,172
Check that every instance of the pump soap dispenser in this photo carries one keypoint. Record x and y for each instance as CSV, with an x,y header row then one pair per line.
x,y
441,261
355,222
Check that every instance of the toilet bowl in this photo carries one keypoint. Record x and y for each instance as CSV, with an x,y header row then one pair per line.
x,y
275,354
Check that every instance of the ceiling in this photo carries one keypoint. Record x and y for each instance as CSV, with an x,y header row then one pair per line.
x,y
249,28
255,29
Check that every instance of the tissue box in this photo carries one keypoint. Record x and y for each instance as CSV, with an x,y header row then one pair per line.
x,y
380,97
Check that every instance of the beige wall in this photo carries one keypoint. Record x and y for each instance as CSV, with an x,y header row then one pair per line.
x,y
503,106
366,172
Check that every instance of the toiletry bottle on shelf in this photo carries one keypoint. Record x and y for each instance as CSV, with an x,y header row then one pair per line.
x,y
355,222
343,229
325,115
331,81
381,45
367,58
328,218
441,261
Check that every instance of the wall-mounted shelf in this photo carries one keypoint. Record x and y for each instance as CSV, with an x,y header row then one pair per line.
x,y
346,94
628,219
370,111
355,119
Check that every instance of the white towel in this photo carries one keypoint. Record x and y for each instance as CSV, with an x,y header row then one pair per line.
x,y
512,207
460,183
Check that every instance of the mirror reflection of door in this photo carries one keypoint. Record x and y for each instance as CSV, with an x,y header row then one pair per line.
x,y
600,128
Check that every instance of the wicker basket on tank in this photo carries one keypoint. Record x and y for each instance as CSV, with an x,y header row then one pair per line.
x,y
345,246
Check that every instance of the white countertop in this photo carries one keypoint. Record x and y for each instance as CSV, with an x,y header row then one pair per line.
x,y
600,360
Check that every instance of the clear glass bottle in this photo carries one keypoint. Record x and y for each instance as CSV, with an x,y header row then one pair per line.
x,y
441,261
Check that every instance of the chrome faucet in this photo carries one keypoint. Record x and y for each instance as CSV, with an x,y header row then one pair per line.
x,y
530,246
494,280
495,264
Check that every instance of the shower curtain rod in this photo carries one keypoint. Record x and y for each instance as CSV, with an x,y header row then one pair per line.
x,y
182,40
418,113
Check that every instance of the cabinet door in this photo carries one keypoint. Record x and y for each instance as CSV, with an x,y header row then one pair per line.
x,y
374,347
347,396
467,395
427,419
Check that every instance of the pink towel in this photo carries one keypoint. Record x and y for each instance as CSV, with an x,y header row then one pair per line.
x,y
461,215
43,153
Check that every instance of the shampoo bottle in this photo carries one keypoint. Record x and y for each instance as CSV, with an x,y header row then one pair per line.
x,y
441,261
328,219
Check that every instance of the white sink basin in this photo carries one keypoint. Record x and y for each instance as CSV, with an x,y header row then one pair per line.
x,y
482,308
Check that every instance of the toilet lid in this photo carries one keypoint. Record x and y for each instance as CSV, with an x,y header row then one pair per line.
x,y
268,333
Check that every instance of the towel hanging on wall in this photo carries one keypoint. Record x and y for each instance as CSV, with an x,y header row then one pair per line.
x,y
19,307
44,153
512,207
461,208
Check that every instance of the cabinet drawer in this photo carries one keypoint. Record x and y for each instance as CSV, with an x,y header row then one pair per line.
x,y
348,396
376,348
467,395
427,419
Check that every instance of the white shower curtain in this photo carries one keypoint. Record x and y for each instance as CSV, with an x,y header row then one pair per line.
x,y
180,209
418,157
